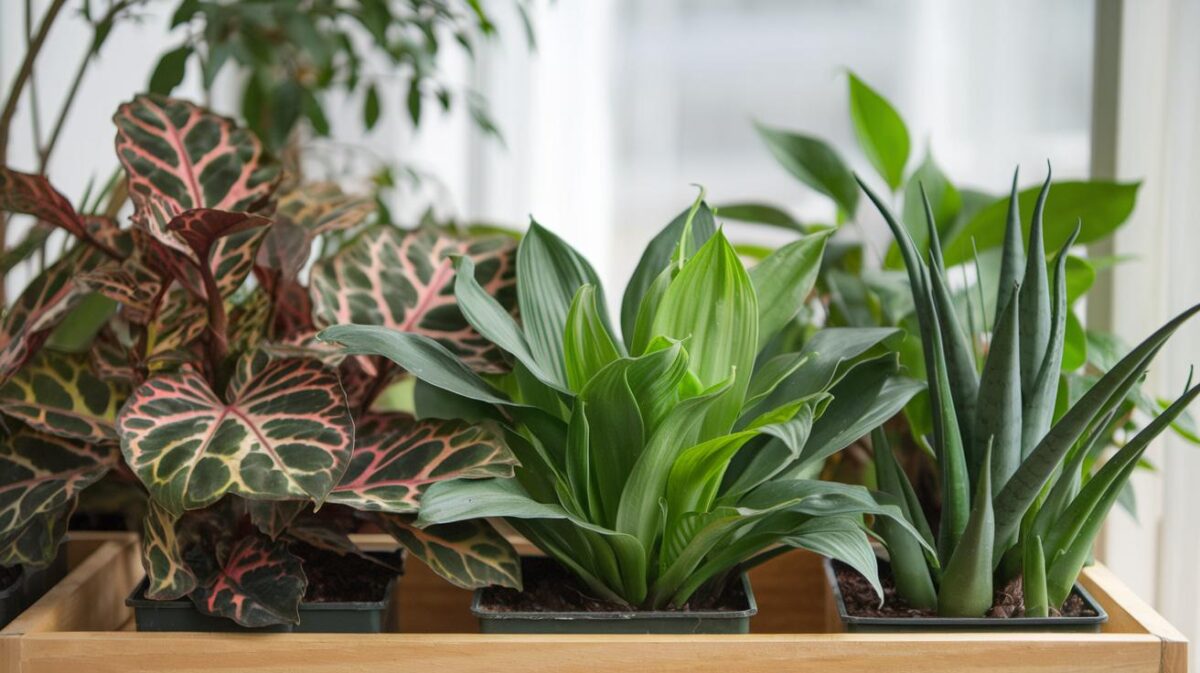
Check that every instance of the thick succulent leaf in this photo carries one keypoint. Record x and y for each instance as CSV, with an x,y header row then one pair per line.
x,y
1033,579
711,303
57,393
162,557
37,543
783,280
1037,410
1034,299
944,197
966,588
910,569
549,273
33,195
396,458
404,281
657,256
998,421
178,156
284,433
469,554
257,582
1012,252
41,474
880,131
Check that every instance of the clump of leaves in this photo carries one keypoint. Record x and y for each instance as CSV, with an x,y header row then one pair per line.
x,y
203,382
653,466
1016,497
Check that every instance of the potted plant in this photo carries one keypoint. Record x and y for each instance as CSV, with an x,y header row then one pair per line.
x,y
655,468
259,449
1019,511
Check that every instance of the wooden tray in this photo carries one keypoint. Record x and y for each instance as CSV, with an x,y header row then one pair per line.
x,y
83,626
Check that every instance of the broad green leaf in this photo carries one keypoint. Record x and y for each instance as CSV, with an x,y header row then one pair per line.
x,y
711,304
1101,206
549,273
841,538
966,588
881,132
760,213
815,163
587,345
284,432
783,281
468,554
656,258
419,355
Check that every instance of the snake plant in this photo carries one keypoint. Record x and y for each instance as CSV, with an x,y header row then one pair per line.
x,y
654,465
1016,498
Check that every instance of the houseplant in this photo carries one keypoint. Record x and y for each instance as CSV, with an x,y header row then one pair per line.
x,y
1019,511
653,468
208,390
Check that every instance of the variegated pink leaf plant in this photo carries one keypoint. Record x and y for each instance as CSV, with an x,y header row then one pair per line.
x,y
206,388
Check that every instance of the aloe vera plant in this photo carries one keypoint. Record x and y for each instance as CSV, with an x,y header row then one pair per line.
x,y
1016,497
202,385
652,464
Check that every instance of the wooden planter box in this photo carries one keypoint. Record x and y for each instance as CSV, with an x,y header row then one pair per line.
x,y
83,626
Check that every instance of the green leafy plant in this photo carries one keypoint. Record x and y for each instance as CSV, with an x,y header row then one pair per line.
x,y
652,465
1016,497
201,385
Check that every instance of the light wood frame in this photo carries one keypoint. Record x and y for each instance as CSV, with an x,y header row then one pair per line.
x,y
83,626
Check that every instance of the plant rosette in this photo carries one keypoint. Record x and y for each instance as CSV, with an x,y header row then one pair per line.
x,y
199,383
654,468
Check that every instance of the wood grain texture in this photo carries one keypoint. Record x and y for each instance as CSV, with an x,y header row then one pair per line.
x,y
1128,613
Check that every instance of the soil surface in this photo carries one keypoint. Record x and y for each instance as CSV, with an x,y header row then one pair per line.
x,y
9,576
1009,601
549,587
344,579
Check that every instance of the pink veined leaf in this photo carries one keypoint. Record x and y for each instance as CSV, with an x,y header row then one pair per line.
x,y
179,156
254,581
44,303
227,241
405,281
283,432
33,195
396,458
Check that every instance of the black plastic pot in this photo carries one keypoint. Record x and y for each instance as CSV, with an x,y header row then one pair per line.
x,y
855,624
29,587
492,620
328,617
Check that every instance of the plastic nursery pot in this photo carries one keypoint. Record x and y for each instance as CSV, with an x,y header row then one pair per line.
x,y
29,586
322,617
493,619
858,624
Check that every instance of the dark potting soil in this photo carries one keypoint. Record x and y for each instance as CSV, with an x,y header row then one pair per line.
x,y
333,578
1009,601
9,576
549,587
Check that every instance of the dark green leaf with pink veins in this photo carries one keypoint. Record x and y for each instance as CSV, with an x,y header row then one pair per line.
x,y
282,432
396,458
178,156
34,195
254,581
405,281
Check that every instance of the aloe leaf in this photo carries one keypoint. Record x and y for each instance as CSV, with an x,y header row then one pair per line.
x,y
909,567
421,356
549,273
494,322
1037,411
783,281
587,345
711,303
1034,579
966,589
1070,478
656,258
960,355
946,199
1035,297
999,410
1012,254
1111,390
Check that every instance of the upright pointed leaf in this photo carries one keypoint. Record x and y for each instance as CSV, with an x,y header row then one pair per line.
x,y
1012,255
999,413
284,433
396,458
966,589
178,156
910,569
1035,298
951,459
405,281
1038,404
783,281
255,582
880,130
468,554
1033,579
587,345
